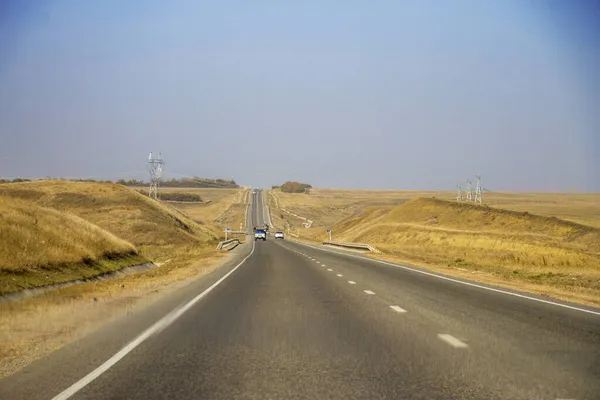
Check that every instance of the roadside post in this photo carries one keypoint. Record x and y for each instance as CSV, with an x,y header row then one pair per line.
x,y
329,231
226,232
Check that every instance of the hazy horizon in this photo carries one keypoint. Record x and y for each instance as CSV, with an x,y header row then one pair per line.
x,y
394,95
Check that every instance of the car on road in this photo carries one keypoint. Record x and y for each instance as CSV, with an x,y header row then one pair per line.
x,y
260,234
279,235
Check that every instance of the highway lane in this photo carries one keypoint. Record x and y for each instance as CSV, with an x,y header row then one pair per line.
x,y
297,322
280,330
258,214
541,350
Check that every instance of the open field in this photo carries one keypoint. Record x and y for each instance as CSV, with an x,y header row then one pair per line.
x,y
327,206
225,209
547,253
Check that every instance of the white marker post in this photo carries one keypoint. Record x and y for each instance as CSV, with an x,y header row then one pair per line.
x,y
329,231
226,232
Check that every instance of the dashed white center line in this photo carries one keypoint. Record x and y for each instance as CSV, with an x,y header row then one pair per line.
x,y
452,341
352,282
398,309
329,269
323,265
368,292
340,275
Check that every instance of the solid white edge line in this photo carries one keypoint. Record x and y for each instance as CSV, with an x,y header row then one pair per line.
x,y
329,269
156,328
398,309
457,281
452,341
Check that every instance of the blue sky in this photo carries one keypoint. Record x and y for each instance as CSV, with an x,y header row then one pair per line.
x,y
385,94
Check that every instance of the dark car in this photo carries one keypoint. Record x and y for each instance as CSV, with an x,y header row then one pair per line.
x,y
260,234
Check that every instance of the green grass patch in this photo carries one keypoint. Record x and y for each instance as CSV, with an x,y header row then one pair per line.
x,y
15,280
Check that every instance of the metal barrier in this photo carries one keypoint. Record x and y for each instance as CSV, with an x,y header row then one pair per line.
x,y
355,246
227,243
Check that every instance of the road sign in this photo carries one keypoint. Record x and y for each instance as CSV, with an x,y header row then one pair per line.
x,y
227,229
328,230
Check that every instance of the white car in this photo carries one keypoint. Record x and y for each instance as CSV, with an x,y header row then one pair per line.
x,y
279,235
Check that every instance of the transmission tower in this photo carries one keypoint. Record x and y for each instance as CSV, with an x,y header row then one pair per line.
x,y
155,166
459,193
479,190
469,191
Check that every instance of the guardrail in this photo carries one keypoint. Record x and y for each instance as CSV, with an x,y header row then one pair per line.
x,y
227,243
356,246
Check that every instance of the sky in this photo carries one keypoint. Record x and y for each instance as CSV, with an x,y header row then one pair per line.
x,y
414,94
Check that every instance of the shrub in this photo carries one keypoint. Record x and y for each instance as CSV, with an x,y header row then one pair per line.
x,y
176,196
295,187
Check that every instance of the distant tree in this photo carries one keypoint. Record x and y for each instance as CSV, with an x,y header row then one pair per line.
x,y
194,182
295,187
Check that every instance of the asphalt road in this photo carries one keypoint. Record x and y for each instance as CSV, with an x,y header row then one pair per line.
x,y
297,322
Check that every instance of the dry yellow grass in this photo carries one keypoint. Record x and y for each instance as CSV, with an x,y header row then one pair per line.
x,y
541,253
55,231
40,246
155,228
327,206
225,210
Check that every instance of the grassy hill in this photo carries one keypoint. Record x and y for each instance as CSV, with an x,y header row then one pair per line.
x,y
67,224
152,226
42,246
543,254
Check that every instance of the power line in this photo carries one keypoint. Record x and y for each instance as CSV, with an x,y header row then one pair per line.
x,y
469,191
476,196
155,166
478,190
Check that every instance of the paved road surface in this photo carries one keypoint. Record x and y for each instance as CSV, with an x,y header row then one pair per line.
x,y
297,322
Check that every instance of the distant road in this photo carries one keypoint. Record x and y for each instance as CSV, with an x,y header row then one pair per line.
x,y
297,322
